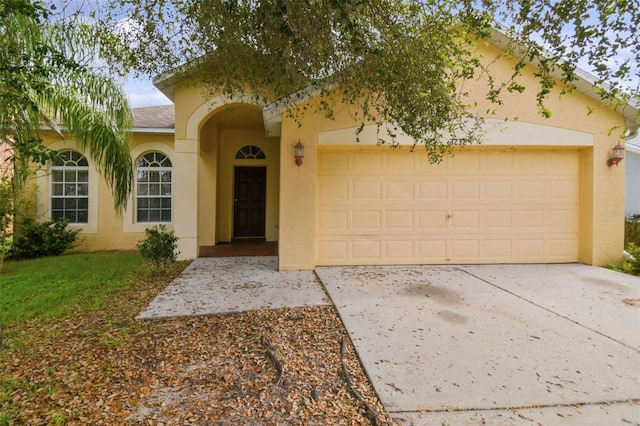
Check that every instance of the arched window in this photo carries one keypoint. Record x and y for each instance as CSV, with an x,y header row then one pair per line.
x,y
70,187
154,188
250,152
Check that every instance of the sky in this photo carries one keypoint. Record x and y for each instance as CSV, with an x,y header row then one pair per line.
x,y
143,93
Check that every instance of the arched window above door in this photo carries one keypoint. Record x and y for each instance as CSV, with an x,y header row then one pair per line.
x,y
250,152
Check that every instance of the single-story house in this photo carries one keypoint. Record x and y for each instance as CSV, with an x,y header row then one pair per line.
x,y
223,169
632,170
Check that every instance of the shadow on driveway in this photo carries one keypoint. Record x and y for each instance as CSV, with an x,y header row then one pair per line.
x,y
495,344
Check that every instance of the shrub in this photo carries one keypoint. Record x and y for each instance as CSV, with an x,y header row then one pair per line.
x,y
159,246
50,238
632,231
633,265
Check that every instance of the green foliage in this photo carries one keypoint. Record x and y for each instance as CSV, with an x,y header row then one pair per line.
x,y
632,265
632,231
48,71
404,62
49,238
159,246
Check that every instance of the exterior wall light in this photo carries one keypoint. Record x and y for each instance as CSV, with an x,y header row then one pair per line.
x,y
618,155
299,153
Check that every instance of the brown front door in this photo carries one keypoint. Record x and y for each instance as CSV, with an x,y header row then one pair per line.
x,y
249,202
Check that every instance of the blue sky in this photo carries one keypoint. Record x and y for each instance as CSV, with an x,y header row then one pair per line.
x,y
142,92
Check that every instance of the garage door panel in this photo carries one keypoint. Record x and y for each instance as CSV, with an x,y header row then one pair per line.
x,y
366,190
430,220
464,190
366,220
432,190
399,220
478,207
399,190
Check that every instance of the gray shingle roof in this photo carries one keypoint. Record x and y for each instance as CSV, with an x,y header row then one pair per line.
x,y
154,117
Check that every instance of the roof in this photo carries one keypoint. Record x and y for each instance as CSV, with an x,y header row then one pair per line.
x,y
154,117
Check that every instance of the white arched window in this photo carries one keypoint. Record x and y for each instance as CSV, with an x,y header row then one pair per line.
x,y
70,187
154,188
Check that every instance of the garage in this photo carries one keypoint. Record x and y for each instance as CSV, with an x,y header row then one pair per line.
x,y
377,205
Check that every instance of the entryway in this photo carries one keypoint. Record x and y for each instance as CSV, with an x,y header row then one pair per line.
x,y
250,188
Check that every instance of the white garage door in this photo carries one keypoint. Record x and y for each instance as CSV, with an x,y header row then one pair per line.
x,y
384,206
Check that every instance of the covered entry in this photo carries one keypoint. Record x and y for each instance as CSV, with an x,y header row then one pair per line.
x,y
379,206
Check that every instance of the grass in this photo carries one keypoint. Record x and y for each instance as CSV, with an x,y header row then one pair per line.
x,y
87,298
62,286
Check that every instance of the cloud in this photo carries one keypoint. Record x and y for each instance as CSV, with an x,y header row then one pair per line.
x,y
142,92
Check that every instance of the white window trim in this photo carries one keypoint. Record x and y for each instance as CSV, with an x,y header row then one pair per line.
x,y
43,190
129,223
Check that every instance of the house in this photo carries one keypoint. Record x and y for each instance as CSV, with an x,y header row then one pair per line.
x,y
536,190
632,171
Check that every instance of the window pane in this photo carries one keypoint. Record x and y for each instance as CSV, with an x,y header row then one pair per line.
x,y
57,203
70,203
143,189
83,203
57,175
70,189
166,216
154,203
70,176
165,189
143,216
166,203
154,216
83,189
56,189
143,203
56,214
165,176
72,216
83,216
154,189
83,176
154,176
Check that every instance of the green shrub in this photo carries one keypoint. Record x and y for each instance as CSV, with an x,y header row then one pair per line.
x,y
159,246
37,239
632,231
633,265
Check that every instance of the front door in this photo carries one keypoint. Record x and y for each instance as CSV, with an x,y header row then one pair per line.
x,y
249,202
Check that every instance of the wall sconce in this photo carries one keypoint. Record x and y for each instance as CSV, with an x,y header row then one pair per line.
x,y
618,155
299,153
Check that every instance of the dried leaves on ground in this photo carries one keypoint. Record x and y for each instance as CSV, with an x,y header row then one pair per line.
x,y
108,368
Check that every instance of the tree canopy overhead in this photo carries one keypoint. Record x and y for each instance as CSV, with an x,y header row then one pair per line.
x,y
399,61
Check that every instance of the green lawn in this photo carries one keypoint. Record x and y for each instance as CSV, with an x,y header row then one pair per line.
x,y
62,286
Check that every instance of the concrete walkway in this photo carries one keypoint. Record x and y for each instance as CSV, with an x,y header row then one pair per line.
x,y
458,345
498,345
224,285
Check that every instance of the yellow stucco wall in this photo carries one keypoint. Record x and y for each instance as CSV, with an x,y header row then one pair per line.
x,y
106,229
202,152
602,188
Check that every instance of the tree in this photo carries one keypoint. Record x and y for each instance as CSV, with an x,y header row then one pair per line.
x,y
399,61
48,76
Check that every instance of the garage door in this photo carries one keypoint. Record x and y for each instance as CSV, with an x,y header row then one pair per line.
x,y
384,206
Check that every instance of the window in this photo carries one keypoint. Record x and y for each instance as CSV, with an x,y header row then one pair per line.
x,y
250,152
154,188
70,187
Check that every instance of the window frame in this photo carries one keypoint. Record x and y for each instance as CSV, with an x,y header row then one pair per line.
x,y
64,169
153,166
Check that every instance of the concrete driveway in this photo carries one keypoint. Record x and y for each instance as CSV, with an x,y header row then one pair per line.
x,y
495,344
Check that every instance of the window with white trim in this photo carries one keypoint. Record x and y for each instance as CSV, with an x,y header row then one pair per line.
x,y
154,188
250,152
70,187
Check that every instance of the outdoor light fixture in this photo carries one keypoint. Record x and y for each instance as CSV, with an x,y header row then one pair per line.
x,y
618,155
299,153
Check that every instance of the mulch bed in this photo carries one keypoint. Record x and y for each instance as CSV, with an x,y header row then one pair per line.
x,y
107,368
